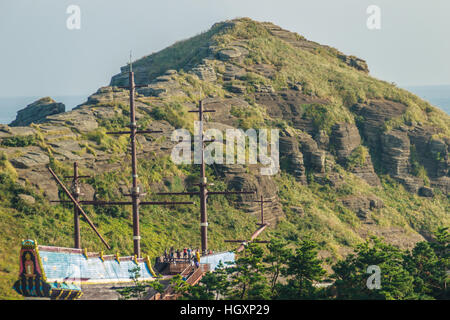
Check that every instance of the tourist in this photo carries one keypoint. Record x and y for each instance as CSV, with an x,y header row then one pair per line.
x,y
197,256
196,261
189,251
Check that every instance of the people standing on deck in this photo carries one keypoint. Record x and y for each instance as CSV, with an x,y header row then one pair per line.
x,y
187,254
196,261
197,256
189,251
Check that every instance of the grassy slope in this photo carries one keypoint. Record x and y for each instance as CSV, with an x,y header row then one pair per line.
x,y
326,219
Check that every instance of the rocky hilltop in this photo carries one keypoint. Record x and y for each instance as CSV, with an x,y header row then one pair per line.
x,y
358,156
37,111
392,126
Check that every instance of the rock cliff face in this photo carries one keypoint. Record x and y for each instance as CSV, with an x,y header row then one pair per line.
x,y
346,140
37,111
331,129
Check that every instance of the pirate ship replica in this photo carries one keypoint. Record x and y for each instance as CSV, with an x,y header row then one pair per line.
x,y
72,273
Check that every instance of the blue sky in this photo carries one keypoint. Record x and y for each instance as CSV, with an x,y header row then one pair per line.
x,y
39,56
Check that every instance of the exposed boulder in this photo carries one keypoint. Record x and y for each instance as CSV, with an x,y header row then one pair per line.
x,y
162,86
322,139
232,53
374,114
439,151
223,108
205,72
287,105
363,205
298,210
233,72
37,111
26,198
108,94
7,131
31,159
395,152
291,158
357,63
346,141
261,88
237,178
375,202
345,138
431,151
367,172
82,119
442,183
236,88
314,157
265,70
426,192
333,179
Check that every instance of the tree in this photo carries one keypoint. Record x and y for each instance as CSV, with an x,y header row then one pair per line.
x,y
276,261
351,274
428,264
213,285
257,273
303,270
423,264
139,287
157,285
179,285
247,277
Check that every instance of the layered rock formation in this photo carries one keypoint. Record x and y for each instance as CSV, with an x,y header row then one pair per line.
x,y
252,88
37,111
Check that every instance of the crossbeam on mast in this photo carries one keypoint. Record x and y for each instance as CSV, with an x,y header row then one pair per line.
x,y
77,205
262,227
76,194
135,192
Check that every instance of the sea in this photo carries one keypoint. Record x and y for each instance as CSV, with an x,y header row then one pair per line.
x,y
438,96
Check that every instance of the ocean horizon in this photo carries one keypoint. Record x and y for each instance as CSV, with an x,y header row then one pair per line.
x,y
438,96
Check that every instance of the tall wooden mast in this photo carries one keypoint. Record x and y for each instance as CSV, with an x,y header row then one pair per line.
x,y
203,192
135,193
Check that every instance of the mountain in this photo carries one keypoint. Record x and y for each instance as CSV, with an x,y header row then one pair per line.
x,y
358,156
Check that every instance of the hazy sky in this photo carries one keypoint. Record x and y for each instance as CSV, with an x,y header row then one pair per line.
x,y
39,56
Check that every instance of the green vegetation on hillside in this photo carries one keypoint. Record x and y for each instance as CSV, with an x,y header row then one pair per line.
x,y
322,74
293,270
309,211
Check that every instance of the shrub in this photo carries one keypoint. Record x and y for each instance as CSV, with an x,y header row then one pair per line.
x,y
19,141
358,157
